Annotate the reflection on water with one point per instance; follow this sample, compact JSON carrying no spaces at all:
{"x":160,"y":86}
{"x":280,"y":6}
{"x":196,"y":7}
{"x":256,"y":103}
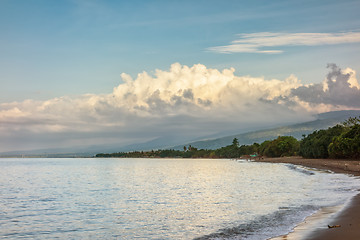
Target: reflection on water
{"x":156,"y":198}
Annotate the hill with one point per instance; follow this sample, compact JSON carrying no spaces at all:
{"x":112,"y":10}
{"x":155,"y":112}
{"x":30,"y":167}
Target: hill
{"x":323,"y":121}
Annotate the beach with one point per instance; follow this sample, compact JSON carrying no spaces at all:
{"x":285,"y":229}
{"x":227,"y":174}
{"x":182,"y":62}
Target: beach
{"x":346,"y":222}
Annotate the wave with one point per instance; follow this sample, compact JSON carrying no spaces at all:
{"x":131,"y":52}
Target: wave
{"x":278,"y":223}
{"x":300,"y":169}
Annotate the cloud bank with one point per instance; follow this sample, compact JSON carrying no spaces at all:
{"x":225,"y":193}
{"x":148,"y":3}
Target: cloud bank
{"x":183,"y":101}
{"x":264,"y":42}
{"x":340,"y":89}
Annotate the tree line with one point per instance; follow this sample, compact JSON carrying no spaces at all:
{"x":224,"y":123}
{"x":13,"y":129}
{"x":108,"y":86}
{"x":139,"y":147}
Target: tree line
{"x":340,"y":141}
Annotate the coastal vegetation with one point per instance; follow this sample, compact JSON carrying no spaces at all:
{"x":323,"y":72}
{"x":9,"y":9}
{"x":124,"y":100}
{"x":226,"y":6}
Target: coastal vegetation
{"x":281,"y":146}
{"x":340,"y":141}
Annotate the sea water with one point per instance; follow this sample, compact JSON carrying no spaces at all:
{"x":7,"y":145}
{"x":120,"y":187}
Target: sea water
{"x":97,"y":198}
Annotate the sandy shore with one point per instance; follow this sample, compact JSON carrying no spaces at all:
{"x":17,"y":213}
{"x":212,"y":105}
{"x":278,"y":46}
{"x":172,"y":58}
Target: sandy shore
{"x":335,"y":165}
{"x":348,"y":219}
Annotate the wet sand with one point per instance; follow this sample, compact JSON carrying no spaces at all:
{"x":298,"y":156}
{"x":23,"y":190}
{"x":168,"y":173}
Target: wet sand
{"x":347,"y":220}
{"x":335,"y":165}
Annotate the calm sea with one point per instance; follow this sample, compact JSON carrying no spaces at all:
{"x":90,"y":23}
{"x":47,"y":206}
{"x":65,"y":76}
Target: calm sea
{"x":160,"y":198}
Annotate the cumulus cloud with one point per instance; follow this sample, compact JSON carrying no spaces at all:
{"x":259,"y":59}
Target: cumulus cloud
{"x":183,"y":101}
{"x":193,"y":89}
{"x":340,"y":89}
{"x":260,"y":42}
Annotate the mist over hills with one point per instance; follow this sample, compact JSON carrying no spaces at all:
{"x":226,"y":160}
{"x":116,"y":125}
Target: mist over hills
{"x":323,"y":121}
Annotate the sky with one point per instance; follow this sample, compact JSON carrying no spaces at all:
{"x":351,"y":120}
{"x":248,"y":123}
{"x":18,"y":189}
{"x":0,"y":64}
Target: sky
{"x":78,"y":72}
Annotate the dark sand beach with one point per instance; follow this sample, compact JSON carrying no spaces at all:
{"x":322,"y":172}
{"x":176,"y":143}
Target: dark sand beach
{"x":347,"y":221}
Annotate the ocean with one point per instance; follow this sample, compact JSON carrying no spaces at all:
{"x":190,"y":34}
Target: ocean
{"x":94,"y":198}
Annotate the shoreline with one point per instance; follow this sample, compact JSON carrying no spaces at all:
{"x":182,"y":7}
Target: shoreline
{"x":347,"y":216}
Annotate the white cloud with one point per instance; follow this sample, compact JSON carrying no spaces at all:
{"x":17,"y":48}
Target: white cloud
{"x":260,"y":42}
{"x":339,"y":90}
{"x":184,"y":102}
{"x":194,"y":90}
{"x":352,"y":78}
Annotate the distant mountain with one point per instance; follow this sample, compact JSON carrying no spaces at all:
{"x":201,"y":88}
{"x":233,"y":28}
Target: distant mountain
{"x":89,"y":151}
{"x":157,"y":143}
{"x":324,"y":121}
{"x":342,"y":115}
{"x":53,"y":152}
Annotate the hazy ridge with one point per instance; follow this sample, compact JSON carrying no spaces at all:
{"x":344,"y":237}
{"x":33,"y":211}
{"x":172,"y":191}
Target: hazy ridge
{"x":323,"y":121}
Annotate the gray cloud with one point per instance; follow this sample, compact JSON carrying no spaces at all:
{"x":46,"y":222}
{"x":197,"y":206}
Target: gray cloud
{"x":205,"y":103}
{"x":188,"y":93}
{"x":336,"y":90}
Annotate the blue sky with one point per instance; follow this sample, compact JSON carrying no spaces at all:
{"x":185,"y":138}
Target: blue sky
{"x":56,"y":48}
{"x":59,"y":53}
